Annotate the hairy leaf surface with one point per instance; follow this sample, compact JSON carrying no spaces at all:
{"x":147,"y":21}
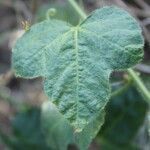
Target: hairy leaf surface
{"x":76,"y":62}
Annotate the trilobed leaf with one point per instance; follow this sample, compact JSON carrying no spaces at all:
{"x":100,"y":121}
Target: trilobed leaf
{"x":76,"y":62}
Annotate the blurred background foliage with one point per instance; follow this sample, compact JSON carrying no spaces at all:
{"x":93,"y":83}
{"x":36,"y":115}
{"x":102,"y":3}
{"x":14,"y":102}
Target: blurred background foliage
{"x":127,"y":121}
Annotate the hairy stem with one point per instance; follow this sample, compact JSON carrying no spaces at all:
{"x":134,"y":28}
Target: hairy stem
{"x":121,"y":90}
{"x":137,"y":80}
{"x":78,"y":9}
{"x":140,"y":85}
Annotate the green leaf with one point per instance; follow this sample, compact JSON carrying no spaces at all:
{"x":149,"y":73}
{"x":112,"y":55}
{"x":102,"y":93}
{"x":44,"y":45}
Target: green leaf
{"x":146,"y":80}
{"x":58,"y":130}
{"x":125,"y":115}
{"x":32,"y":49}
{"x":149,"y":124}
{"x":84,"y":138}
{"x":76,"y":62}
{"x":27,"y":132}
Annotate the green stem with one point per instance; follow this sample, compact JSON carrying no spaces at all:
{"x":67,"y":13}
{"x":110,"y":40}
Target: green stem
{"x":81,"y":5}
{"x":140,"y":85}
{"x":77,"y":8}
{"x":121,"y":90}
{"x":50,"y":13}
{"x":131,"y":72}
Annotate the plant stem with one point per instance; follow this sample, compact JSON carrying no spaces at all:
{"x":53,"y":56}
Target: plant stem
{"x":131,"y":72}
{"x":140,"y":85}
{"x":77,"y":8}
{"x":121,"y":90}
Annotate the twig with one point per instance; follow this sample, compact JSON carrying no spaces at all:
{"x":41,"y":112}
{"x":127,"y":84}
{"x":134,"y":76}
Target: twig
{"x":21,"y":7}
{"x":139,"y":12}
{"x":143,"y":68}
{"x":146,"y":22}
{"x":142,"y":4}
{"x":147,"y":34}
{"x":5,"y":78}
{"x":34,"y":6}
{"x":121,"y":4}
{"x":6,"y":96}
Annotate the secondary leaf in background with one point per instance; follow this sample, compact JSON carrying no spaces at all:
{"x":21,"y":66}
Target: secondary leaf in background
{"x":146,"y":80}
{"x":125,"y":114}
{"x":149,"y":123}
{"x":58,"y":132}
{"x":76,"y":62}
{"x":27,"y":131}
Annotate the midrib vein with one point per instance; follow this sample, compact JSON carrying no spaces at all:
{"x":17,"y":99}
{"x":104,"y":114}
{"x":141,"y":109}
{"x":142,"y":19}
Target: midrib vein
{"x":77,"y":71}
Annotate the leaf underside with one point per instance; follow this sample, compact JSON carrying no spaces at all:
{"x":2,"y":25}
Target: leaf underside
{"x":76,"y":62}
